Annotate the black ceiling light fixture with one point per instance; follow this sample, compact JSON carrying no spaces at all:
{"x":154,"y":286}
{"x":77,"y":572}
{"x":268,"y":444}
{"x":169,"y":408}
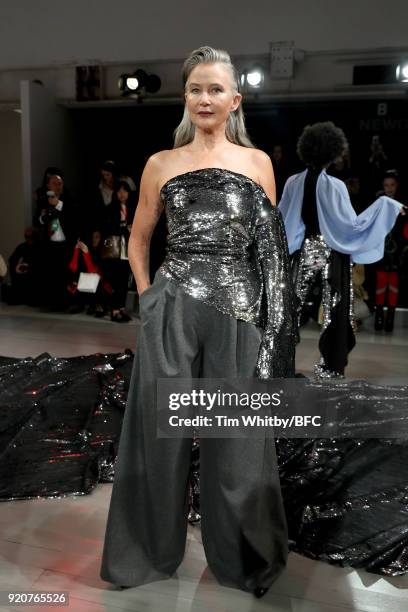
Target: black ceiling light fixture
{"x":381,"y":74}
{"x":138,"y":84}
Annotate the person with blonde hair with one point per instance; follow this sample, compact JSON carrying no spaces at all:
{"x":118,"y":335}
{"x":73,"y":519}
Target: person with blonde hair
{"x":220,"y":306}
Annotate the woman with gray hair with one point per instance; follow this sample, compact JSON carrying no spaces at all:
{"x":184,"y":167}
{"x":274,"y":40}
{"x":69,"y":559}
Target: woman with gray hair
{"x":221,"y":305}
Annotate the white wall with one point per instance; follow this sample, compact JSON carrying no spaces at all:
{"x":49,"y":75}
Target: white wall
{"x":47,"y":138}
{"x":11,"y":183}
{"x":51,"y":32}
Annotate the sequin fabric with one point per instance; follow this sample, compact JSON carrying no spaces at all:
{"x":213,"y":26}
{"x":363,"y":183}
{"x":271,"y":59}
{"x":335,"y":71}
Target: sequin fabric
{"x":59,"y":423}
{"x":315,"y":260}
{"x":227,"y":246}
{"x":346,"y":499}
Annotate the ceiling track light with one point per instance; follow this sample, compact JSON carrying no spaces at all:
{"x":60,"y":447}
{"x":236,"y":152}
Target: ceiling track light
{"x":381,"y":74}
{"x":138,"y":83}
{"x":402,"y":72}
{"x":253,"y":78}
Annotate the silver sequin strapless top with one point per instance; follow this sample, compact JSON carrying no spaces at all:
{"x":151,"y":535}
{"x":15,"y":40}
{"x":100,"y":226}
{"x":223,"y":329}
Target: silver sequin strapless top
{"x":227,"y":246}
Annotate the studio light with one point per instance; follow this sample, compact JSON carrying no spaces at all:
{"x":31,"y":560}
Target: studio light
{"x":138,"y":83}
{"x":132,"y":83}
{"x":253,"y":78}
{"x":402,"y":72}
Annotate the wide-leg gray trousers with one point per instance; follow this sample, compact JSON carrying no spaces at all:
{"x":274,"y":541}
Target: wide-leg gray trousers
{"x":243,"y":522}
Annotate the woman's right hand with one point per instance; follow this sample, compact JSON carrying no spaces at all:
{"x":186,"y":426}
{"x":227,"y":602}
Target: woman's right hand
{"x":145,"y":288}
{"x":148,"y":211}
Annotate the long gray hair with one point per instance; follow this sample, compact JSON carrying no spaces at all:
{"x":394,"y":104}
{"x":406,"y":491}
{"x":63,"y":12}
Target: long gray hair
{"x":235,"y":130}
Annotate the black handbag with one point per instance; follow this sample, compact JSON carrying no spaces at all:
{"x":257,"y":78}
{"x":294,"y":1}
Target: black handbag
{"x":111,"y":247}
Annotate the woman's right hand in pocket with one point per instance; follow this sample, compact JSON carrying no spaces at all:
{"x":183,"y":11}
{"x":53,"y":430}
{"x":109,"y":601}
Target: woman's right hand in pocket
{"x":145,"y":288}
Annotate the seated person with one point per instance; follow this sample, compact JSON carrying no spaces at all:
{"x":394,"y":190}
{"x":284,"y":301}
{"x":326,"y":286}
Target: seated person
{"x":86,"y":259}
{"x":25,"y":270}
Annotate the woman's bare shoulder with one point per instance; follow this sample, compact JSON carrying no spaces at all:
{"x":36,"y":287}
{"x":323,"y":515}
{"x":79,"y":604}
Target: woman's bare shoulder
{"x":260,"y":156}
{"x":154,"y":168}
{"x":262,"y":162}
{"x":162,"y":162}
{"x":251,"y":157}
{"x":264,"y":172}
{"x":167,"y":163}
{"x":158,"y":159}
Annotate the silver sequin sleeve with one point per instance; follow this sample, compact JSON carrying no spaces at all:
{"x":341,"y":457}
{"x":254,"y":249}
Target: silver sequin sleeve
{"x":276,"y":356}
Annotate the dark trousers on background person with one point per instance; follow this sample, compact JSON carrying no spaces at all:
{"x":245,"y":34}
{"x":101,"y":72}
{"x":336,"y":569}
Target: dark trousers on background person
{"x":117,"y":272}
{"x":243,"y":522}
{"x":54,"y":274}
{"x":24,"y":288}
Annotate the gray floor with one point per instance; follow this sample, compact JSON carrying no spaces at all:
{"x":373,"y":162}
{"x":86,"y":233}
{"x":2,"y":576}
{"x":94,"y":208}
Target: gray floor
{"x":54,"y":545}
{"x":378,"y":357}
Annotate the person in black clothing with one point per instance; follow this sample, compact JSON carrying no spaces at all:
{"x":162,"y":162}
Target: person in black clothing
{"x":119,"y":219}
{"x":101,"y":197}
{"x":41,"y":191}
{"x":24,"y":265}
{"x":280,"y":168}
{"x":58,"y":218}
{"x":388,"y":268}
{"x":340,"y":168}
{"x":378,"y":163}
{"x":357,"y":199}
{"x":108,"y":184}
{"x":104,"y":195}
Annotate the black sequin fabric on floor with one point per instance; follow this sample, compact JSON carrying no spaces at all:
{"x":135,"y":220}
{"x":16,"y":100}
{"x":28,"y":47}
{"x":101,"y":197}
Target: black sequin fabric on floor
{"x":60,"y":421}
{"x":346,"y":499}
